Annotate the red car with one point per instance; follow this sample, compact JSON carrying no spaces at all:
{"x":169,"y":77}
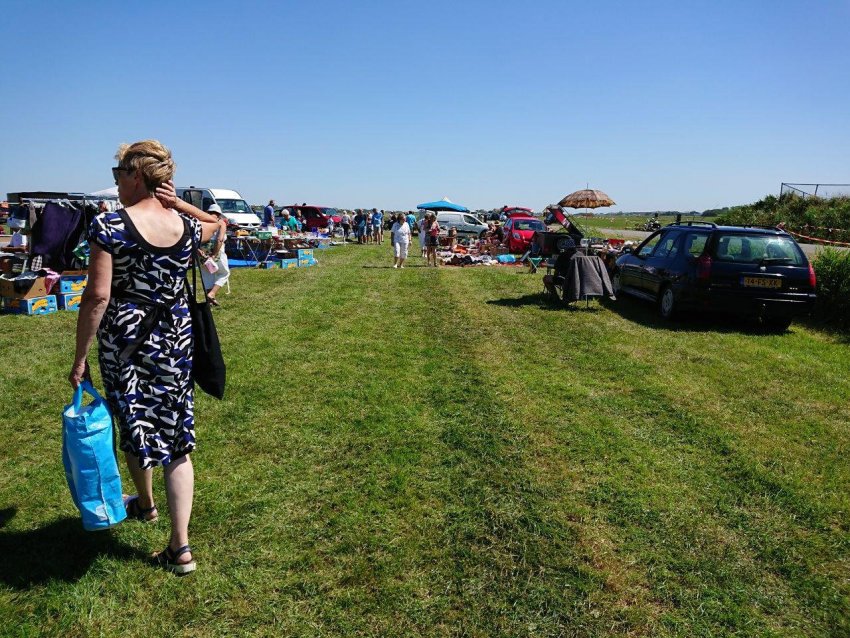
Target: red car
{"x":315,"y":217}
{"x":519,"y":231}
{"x":517,"y":211}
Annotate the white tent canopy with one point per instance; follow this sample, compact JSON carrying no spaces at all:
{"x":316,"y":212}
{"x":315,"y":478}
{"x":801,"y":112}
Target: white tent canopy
{"x":106,"y":193}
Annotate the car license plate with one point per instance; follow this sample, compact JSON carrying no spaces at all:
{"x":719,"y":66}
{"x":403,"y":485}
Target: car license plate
{"x":762,"y":282}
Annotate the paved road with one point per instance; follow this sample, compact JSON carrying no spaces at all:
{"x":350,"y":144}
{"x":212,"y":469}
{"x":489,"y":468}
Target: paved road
{"x":809,"y":249}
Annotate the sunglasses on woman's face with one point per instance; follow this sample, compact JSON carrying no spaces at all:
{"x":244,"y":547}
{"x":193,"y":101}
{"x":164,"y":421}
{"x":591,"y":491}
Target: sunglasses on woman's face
{"x":117,"y":169}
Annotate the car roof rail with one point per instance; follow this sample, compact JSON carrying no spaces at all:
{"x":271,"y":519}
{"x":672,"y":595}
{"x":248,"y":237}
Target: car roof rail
{"x":763,"y":226}
{"x":694,"y":223}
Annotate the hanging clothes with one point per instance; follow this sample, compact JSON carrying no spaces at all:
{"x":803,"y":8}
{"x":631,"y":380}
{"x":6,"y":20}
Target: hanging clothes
{"x":55,"y":234}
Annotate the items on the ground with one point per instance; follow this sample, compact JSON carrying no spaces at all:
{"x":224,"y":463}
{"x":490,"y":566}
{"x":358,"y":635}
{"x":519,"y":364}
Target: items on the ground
{"x":41,"y":292}
{"x":275,"y":250}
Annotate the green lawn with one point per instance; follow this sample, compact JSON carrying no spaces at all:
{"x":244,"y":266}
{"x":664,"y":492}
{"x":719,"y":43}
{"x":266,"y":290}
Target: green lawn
{"x":625,"y":222}
{"x":438,"y":452}
{"x":616,"y":222}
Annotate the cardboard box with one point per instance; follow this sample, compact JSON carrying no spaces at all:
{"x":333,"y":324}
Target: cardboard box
{"x":70,"y":302}
{"x":288,"y":263}
{"x":72,"y":281}
{"x":307,"y":261}
{"x":303,"y":253}
{"x":34,"y":306}
{"x":38,"y":289}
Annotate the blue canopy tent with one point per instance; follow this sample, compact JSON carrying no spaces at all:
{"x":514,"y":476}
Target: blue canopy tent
{"x":443,"y":205}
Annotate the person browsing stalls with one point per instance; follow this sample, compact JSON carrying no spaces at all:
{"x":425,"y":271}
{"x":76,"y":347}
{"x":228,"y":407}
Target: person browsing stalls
{"x":136,"y":305}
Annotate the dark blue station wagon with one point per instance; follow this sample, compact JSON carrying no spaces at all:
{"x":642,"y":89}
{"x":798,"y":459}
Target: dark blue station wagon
{"x":746,"y":271}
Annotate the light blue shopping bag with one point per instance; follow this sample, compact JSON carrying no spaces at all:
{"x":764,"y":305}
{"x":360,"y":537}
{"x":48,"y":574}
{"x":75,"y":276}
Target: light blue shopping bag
{"x":89,"y":460}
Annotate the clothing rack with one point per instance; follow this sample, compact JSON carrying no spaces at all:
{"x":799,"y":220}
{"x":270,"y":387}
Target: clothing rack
{"x":54,"y":200}
{"x":77,"y":202}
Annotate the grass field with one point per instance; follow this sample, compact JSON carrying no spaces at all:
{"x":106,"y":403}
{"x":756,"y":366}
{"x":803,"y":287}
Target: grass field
{"x":438,"y":452}
{"x":616,"y":222}
{"x":624,"y":222}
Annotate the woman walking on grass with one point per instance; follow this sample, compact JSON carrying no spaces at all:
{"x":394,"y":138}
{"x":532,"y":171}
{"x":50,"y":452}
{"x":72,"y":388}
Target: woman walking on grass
{"x":345,"y":222}
{"x":423,"y":236}
{"x":401,"y":240}
{"x":433,"y":230}
{"x":136,"y":304}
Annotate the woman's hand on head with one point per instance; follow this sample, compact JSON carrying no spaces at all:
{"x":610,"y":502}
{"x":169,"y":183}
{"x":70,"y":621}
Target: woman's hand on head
{"x":166,"y":194}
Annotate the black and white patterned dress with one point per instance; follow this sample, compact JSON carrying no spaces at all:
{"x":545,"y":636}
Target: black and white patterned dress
{"x":145,"y":340}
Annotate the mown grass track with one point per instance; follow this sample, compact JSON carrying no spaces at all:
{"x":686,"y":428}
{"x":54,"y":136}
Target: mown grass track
{"x":439,"y":452}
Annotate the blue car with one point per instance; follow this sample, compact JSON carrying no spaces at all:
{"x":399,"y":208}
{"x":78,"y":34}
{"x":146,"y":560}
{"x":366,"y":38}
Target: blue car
{"x":747,"y":271}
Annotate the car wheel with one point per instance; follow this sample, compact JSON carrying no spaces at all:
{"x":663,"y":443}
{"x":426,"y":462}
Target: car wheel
{"x":615,"y":282}
{"x":776,"y":324}
{"x":668,"y":305}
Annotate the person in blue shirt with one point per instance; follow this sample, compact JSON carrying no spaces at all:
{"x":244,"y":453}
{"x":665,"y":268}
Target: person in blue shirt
{"x":360,"y":226}
{"x":268,"y":215}
{"x":411,"y":221}
{"x":377,"y":226}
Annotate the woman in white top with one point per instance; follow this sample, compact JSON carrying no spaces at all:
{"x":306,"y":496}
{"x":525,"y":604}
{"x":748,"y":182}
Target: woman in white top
{"x":401,"y":240}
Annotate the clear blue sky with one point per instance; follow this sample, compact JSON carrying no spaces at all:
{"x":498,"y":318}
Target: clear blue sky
{"x":663,"y":105}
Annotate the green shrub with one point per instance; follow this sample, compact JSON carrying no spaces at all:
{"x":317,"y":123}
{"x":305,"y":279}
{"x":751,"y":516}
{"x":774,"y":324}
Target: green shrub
{"x":832,"y":268}
{"x":812,"y":216}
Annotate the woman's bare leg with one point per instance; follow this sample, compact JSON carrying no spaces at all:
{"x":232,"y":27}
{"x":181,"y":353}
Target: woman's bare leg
{"x":179,"y":488}
{"x":142,"y":479}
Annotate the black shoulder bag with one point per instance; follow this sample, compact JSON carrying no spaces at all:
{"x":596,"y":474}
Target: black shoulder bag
{"x":207,"y":362}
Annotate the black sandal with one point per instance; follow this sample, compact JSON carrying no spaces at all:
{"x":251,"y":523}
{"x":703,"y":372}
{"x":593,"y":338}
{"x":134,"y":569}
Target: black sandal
{"x":136,"y":512}
{"x":167,"y":560}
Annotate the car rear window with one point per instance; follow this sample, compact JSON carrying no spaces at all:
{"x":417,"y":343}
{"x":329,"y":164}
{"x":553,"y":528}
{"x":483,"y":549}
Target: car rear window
{"x":753,"y":249}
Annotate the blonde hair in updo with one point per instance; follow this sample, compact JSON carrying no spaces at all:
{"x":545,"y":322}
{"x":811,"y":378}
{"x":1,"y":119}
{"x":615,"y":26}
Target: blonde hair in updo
{"x":151,"y":158}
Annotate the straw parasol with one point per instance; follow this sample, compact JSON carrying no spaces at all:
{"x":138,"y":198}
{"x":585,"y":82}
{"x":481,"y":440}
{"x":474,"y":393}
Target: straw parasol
{"x":586,"y":198}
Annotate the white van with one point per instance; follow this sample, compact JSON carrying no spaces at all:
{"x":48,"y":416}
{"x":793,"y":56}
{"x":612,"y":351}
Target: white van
{"x":467,"y":225}
{"x":234,"y":207}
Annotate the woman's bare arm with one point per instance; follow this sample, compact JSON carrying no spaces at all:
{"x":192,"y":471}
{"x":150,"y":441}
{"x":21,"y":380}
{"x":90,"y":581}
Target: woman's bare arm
{"x":167,"y":196}
{"x":92,"y":306}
